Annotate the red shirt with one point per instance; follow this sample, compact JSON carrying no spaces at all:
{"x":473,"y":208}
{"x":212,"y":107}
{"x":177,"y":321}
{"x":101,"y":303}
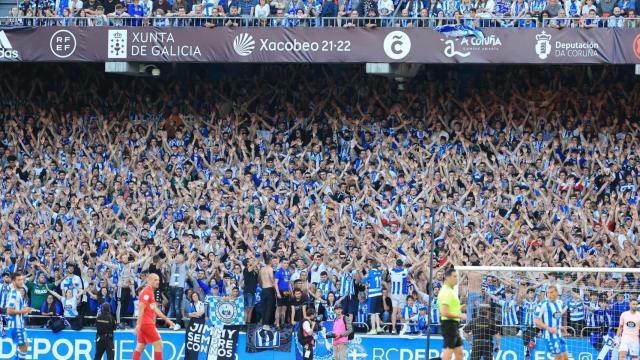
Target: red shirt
{"x":147,"y":297}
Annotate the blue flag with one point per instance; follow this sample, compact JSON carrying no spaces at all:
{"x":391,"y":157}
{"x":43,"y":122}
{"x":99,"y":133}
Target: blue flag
{"x":459,"y":30}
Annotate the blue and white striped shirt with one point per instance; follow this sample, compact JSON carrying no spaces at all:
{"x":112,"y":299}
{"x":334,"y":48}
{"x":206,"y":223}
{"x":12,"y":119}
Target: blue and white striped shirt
{"x":363,"y":313}
{"x":576,"y":310}
{"x":399,"y":281}
{"x":5,"y":289}
{"x":509,"y":312}
{"x":15,"y":301}
{"x":550,"y":313}
{"x":325,"y":288}
{"x":347,"y":286}
{"x":528,"y":312}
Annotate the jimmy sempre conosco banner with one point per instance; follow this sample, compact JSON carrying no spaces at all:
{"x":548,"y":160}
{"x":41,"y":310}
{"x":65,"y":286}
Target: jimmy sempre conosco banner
{"x":320,"y":45}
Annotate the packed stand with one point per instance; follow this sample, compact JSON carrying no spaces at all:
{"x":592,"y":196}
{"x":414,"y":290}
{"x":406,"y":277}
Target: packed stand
{"x":326,"y":185}
{"x":559,"y":14}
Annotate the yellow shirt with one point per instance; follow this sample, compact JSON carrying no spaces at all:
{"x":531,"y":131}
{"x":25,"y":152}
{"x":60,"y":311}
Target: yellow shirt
{"x":447,"y":296}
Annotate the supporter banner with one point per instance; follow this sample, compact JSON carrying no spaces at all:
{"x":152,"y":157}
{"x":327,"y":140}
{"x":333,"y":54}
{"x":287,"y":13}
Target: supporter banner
{"x":260,"y":339}
{"x":222,"y":344}
{"x":319,"y":45}
{"x":80,"y":345}
{"x":226,"y":312}
{"x":195,"y":339}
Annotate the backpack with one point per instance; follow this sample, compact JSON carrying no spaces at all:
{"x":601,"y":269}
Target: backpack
{"x":352,"y":335}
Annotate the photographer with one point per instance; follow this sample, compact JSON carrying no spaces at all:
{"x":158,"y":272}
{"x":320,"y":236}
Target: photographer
{"x":342,"y":330}
{"x":483,"y":328}
{"x":105,"y":326}
{"x":305,"y":333}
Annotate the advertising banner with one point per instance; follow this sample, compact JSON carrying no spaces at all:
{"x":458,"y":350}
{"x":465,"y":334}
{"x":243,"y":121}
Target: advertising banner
{"x":80,"y":345}
{"x":319,"y":45}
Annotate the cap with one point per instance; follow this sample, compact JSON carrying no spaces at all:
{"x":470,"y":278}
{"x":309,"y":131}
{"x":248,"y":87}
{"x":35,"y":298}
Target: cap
{"x":337,"y":306}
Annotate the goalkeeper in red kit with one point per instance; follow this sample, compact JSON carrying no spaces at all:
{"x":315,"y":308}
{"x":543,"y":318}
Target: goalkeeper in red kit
{"x":146,"y":326}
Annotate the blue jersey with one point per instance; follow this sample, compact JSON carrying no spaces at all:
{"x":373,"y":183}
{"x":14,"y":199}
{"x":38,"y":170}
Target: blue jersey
{"x":592,"y":314}
{"x":399,"y":281}
{"x":347,"y":286}
{"x":509,"y":312}
{"x":374,"y":279}
{"x":617,"y":309}
{"x":576,"y":310}
{"x":15,"y":301}
{"x":550,"y":313}
{"x":283,"y":276}
{"x":528,"y":312}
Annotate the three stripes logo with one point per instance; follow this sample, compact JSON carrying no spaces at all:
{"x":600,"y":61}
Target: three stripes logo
{"x":6,"y":49}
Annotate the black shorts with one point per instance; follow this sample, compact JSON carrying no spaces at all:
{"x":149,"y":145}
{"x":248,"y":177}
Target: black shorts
{"x":284,"y":300}
{"x":375,"y":305}
{"x":450,"y":334}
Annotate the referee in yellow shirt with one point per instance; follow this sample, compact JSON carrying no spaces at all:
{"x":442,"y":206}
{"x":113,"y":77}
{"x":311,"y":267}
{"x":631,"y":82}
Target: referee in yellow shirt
{"x":450,"y":316}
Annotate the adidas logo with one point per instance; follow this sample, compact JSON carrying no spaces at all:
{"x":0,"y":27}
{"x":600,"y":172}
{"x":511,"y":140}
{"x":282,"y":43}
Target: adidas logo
{"x":6,"y":49}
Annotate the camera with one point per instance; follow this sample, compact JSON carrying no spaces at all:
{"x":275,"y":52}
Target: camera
{"x":331,"y":335}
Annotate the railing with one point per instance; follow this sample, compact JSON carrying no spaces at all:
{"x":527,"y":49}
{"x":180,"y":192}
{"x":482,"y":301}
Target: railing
{"x":305,"y":21}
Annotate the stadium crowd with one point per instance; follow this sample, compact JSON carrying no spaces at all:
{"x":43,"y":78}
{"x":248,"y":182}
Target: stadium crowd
{"x":345,"y":13}
{"x":340,"y":182}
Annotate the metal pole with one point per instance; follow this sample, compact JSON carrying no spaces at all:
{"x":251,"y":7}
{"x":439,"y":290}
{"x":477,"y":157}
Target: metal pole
{"x":430,"y":284}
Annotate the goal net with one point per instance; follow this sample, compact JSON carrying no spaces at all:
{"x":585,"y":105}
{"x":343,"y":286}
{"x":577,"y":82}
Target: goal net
{"x":504,"y":301}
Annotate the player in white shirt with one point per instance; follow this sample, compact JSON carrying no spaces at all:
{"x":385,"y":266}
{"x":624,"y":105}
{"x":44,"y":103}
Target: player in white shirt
{"x":628,"y":332}
{"x":549,"y":318}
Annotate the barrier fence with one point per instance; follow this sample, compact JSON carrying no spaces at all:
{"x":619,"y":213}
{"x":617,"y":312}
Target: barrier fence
{"x":307,"y":21}
{"x":79,"y":345}
{"x":318,"y":45}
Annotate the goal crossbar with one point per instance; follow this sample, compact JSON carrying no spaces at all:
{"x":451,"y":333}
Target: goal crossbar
{"x":545,"y":269}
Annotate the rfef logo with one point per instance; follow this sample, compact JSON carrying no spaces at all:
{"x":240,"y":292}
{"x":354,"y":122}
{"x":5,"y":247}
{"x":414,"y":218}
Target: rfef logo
{"x":397,"y":45}
{"x":6,"y":49}
{"x":636,"y":46}
{"x":244,"y":44}
{"x":62,"y":43}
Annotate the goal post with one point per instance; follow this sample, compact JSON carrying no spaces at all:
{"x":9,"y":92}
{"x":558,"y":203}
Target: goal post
{"x":504,"y":300}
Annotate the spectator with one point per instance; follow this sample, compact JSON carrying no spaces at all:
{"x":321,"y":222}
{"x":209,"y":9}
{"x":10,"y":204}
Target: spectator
{"x":605,"y":7}
{"x":573,"y":8}
{"x":616,"y":20}
{"x":553,"y":7}
{"x":50,"y":309}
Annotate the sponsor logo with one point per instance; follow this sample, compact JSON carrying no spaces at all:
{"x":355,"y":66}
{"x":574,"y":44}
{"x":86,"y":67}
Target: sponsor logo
{"x":631,"y":324}
{"x":543,"y":46}
{"x":636,"y":46}
{"x":557,"y":315}
{"x":397,"y":45}
{"x":117,"y":44}
{"x":6,"y":49}
{"x":463,"y":47}
{"x":577,"y":49}
{"x":244,"y":44}
{"x":62,"y":43}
